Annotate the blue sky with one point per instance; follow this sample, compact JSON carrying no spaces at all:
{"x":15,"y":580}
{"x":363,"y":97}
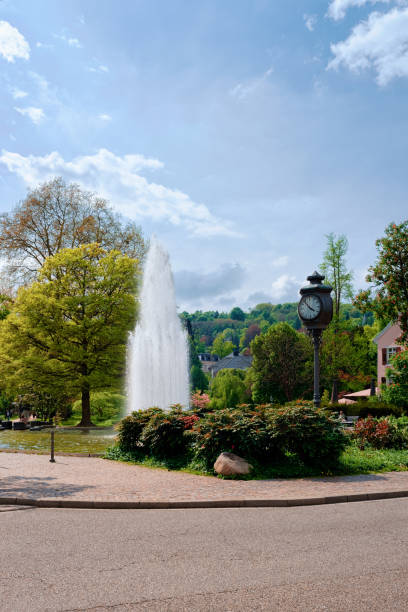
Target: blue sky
{"x":240,"y":132}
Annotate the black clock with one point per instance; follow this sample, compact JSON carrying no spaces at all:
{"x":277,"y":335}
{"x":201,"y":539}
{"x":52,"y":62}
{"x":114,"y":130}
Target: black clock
{"x":315,"y":307}
{"x":310,"y":307}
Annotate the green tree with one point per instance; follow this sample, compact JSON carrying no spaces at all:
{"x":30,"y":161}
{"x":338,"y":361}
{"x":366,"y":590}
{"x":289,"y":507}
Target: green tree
{"x":388,"y":295}
{"x":54,"y":216}
{"x":222,"y":345}
{"x":237,"y":314}
{"x":282,"y":365}
{"x":335,"y":270}
{"x":397,"y":391}
{"x":347,"y":356}
{"x":228,"y":389}
{"x":67,"y":332}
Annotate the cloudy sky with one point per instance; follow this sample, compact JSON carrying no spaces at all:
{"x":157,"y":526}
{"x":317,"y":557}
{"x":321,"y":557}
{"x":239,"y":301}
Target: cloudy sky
{"x":240,"y":132}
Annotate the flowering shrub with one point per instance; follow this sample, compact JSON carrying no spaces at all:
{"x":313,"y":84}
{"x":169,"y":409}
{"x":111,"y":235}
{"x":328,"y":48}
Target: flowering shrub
{"x":200,"y":401}
{"x":163,"y":435}
{"x":131,"y":427}
{"x":381,"y":433}
{"x":312,"y":434}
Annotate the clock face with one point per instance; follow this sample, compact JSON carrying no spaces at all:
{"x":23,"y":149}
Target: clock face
{"x":309,"y":307}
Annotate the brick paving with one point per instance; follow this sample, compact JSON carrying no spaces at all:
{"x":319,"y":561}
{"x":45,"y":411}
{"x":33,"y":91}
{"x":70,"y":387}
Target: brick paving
{"x":97,"y":480}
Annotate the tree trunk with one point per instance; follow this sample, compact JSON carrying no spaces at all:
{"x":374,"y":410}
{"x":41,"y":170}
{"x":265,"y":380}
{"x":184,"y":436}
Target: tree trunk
{"x":86,"y":409}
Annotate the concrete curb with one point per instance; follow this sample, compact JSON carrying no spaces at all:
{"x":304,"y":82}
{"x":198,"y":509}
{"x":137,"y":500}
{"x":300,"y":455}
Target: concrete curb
{"x":168,"y":505}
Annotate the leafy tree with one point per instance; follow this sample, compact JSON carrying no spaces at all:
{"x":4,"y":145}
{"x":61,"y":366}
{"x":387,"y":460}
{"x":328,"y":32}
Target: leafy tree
{"x":228,"y":389}
{"x":388,"y":296}
{"x":221,"y":345}
{"x":335,"y":269}
{"x":55,"y":216}
{"x":237,"y":314}
{"x":67,"y":332}
{"x":249,"y":334}
{"x":281,"y":366}
{"x":397,"y":391}
{"x":347,"y":355}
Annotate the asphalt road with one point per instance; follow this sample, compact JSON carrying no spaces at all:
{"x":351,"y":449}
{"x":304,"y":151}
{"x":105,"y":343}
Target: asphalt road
{"x":337,"y":557}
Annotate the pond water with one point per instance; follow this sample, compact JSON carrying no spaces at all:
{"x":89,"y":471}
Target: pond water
{"x":66,"y":440}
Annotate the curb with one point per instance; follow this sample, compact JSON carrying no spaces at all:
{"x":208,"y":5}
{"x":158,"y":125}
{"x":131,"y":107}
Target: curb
{"x":169,"y":505}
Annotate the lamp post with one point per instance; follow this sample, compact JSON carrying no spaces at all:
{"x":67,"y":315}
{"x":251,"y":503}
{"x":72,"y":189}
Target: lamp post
{"x":315,"y":310}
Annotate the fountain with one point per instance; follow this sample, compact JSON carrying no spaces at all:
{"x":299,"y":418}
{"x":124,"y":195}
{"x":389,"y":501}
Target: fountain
{"x":158,"y":349}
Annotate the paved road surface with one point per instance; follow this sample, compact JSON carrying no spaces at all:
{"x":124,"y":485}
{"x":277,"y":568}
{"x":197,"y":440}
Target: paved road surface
{"x":337,"y":557}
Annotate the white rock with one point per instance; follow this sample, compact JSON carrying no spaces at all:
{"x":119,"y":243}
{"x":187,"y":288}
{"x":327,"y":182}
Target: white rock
{"x":229,"y":464}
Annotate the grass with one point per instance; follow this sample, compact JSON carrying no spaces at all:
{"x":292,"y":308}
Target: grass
{"x":106,"y":410}
{"x":352,"y":461}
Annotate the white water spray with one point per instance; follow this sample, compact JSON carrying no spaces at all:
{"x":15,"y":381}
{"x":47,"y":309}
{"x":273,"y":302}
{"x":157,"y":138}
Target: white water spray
{"x":158,"y":349}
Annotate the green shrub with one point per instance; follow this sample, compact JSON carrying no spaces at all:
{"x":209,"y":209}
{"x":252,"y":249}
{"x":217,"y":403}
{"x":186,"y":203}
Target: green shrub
{"x":312,"y":434}
{"x":163,"y":436}
{"x":131,"y":427}
{"x":242,"y":430}
{"x":375,"y":408}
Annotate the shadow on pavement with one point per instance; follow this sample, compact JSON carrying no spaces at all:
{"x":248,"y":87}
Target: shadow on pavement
{"x":37,"y":487}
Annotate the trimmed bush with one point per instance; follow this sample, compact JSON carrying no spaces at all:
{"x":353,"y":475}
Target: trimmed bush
{"x":163,"y":436}
{"x":243,"y":431}
{"x":312,"y":434}
{"x":375,"y":408}
{"x":131,"y":427}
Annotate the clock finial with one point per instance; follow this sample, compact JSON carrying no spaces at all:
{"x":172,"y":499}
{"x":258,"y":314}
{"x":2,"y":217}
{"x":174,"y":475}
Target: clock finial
{"x":316,"y":278}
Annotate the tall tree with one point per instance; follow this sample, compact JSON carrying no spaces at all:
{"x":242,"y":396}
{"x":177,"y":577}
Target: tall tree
{"x":55,"y":216}
{"x":282,"y":365}
{"x":67,"y":332}
{"x":388,"y":295}
{"x":334,"y":268}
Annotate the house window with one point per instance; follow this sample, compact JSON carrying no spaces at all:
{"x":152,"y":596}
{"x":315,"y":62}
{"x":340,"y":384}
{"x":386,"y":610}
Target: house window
{"x":388,"y":354}
{"x":391,"y":352}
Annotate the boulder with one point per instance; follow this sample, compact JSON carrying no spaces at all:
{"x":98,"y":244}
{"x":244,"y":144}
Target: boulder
{"x":229,"y":464}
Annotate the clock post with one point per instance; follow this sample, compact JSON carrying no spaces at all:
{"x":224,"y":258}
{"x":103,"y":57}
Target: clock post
{"x":315,"y":310}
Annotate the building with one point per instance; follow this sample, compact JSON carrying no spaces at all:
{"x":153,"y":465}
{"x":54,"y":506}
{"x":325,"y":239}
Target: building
{"x":207,"y":361}
{"x":387,"y":347}
{"x":233,"y":360}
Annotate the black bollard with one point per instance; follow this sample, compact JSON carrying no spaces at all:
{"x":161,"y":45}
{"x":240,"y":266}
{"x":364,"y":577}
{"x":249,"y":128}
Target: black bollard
{"x":52,"y":460}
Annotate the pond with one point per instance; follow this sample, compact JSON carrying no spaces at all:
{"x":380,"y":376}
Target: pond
{"x":66,"y":440}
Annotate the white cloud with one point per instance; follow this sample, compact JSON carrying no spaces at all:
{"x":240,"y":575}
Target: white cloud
{"x":70,"y":40}
{"x":18,"y":93}
{"x":12,"y":43}
{"x":105,"y":117}
{"x":41,"y":45}
{"x":310,"y":21}
{"x":101,"y":68}
{"x":380,"y":43}
{"x":35,"y":114}
{"x":284,"y":285}
{"x":119,"y":180}
{"x":338,"y":8}
{"x":192,"y":285}
{"x":243,"y":90}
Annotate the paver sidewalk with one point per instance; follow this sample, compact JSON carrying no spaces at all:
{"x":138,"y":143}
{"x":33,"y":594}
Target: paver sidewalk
{"x":77,"y":480}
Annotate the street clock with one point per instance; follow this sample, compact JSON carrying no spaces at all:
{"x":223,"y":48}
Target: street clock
{"x":315,"y":310}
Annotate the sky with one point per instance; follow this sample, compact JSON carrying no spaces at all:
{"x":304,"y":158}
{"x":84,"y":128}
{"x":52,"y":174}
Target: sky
{"x":239,"y":132}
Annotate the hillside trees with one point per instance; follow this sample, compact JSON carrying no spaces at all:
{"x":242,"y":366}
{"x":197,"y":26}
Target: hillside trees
{"x":67,"y":332}
{"x":55,"y":216}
